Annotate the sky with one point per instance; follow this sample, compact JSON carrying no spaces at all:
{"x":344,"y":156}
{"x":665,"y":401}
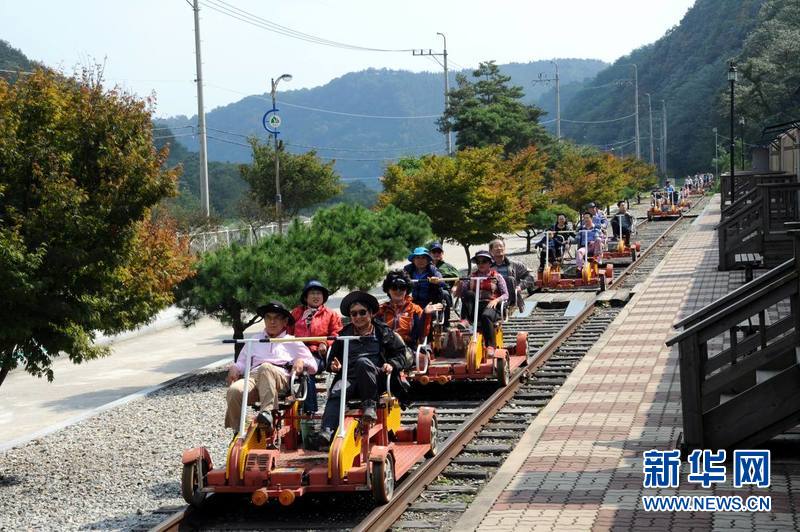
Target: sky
{"x":148,"y":46}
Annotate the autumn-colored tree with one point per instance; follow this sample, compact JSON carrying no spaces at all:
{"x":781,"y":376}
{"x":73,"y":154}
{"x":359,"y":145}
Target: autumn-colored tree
{"x":305,"y":179}
{"x":583,"y":175}
{"x":640,"y":177}
{"x":78,"y":252}
{"x":469,"y":198}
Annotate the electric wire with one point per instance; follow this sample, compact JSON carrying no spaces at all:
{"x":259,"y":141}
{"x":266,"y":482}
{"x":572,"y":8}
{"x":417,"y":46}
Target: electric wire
{"x":250,"y":18}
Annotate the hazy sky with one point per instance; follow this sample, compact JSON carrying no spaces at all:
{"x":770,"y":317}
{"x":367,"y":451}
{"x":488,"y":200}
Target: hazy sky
{"x":148,"y":45}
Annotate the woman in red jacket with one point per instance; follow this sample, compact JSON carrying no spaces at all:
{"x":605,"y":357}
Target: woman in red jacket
{"x":313,"y":318}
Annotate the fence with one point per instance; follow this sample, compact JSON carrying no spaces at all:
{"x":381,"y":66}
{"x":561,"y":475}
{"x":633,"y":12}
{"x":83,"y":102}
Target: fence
{"x":211,"y":240}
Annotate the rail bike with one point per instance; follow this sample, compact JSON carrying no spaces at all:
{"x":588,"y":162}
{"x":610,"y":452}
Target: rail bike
{"x":667,"y":206}
{"x":593,"y":275}
{"x":617,"y":251}
{"x":272,"y":463}
{"x":459,"y":352}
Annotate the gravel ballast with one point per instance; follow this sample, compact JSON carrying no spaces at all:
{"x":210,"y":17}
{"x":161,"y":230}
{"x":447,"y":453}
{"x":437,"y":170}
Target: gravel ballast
{"x":112,"y":471}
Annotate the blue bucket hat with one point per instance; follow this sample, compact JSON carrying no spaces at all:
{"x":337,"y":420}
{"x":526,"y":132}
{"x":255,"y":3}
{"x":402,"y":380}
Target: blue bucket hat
{"x":314,"y":285}
{"x":420,"y":252}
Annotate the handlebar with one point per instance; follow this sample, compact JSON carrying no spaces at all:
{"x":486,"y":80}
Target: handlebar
{"x":293,"y":339}
{"x":427,"y":360}
{"x":302,"y":385}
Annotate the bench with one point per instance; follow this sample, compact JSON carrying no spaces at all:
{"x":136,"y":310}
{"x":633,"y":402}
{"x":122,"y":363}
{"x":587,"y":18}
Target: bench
{"x":748,"y":261}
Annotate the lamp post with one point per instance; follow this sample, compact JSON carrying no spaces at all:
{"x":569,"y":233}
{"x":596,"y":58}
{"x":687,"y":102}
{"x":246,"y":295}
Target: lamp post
{"x":278,"y":202}
{"x":732,"y":77}
{"x":716,"y":153}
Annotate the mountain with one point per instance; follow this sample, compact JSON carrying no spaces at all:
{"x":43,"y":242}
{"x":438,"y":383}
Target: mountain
{"x":368,"y":125}
{"x":687,"y":68}
{"x":12,"y":60}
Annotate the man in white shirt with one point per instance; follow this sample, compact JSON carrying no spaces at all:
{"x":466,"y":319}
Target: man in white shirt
{"x":269,"y":368}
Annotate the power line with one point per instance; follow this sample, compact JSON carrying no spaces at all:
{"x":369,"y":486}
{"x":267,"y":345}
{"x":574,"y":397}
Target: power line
{"x":334,"y":148}
{"x":329,"y":111}
{"x":174,"y":136}
{"x":599,"y":121}
{"x":244,"y":16}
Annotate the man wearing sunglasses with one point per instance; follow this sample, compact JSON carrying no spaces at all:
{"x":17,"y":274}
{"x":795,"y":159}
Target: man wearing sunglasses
{"x":381,"y":351}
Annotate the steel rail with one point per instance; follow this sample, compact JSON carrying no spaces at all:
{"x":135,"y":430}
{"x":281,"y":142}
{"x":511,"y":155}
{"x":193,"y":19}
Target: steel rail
{"x":382,"y":517}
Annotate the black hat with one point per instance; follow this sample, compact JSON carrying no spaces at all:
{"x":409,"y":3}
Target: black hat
{"x":591,"y":205}
{"x":357,"y":296}
{"x":482,"y":254}
{"x":436,"y":245}
{"x":314,"y":285}
{"x":275,"y":307}
{"x":396,"y":279}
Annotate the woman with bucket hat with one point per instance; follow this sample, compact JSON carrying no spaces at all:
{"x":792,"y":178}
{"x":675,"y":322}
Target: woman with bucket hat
{"x":491,"y":292}
{"x":313,"y":318}
{"x":381,"y":351}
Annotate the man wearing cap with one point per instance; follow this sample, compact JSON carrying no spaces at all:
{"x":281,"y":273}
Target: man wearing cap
{"x":446,"y":269}
{"x":379,"y":352}
{"x":269,"y":367}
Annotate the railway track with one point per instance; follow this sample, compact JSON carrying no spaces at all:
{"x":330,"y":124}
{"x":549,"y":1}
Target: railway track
{"x":476,"y":432}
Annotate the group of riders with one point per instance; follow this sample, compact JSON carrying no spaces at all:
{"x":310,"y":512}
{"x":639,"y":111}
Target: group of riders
{"x":590,"y":235}
{"x":419,"y":294}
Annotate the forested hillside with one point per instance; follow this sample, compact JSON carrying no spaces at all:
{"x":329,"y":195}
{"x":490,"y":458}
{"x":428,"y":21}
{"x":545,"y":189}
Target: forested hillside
{"x":363,"y":143}
{"x":13,"y":60}
{"x":687,"y":67}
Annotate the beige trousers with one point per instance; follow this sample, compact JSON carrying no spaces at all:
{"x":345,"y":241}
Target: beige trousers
{"x":265,"y":384}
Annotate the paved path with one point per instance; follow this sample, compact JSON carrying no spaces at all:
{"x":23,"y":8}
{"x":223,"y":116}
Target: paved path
{"x":34,"y":406}
{"x":579,"y":465}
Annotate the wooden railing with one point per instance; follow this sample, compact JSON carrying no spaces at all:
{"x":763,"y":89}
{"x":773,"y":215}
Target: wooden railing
{"x":746,"y":181}
{"x":739,"y":371}
{"x":757,"y":226}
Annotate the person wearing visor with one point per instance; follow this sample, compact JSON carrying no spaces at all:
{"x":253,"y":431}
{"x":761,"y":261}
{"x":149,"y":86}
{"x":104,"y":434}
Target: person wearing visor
{"x":312,"y":318}
{"x":426,"y":288}
{"x":492,"y":291}
{"x":270,"y":367}
{"x":400,"y":313}
{"x":381,"y":352}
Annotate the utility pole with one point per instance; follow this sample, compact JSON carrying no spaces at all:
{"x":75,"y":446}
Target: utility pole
{"x":201,"y":115}
{"x":636,"y":107}
{"x":543,"y":79}
{"x":446,"y":94}
{"x":664,"y":135}
{"x":448,"y":136}
{"x":716,"y":154}
{"x":278,"y":201}
{"x":650,"y":112}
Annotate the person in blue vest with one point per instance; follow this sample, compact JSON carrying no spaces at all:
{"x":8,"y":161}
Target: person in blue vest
{"x":427,"y":288}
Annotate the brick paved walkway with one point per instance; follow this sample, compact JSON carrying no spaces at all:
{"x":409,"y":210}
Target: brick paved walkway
{"x":579,"y":465}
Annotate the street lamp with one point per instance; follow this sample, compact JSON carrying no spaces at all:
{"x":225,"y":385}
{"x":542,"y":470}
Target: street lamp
{"x":278,"y":202}
{"x":732,"y":77}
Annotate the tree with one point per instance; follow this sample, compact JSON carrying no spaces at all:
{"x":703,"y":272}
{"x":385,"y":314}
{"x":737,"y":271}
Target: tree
{"x":78,"y":251}
{"x":487,"y":111}
{"x":469,"y":198}
{"x":344,"y":246}
{"x":769,"y":88}
{"x":305,"y":180}
{"x":583,"y":175}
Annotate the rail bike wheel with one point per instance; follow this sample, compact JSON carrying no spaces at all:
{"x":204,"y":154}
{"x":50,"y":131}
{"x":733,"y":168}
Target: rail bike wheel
{"x":383,"y":480}
{"x":190,"y":483}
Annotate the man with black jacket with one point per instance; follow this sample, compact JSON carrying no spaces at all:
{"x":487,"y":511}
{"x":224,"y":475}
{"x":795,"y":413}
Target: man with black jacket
{"x":380,"y":352}
{"x":622,"y":223}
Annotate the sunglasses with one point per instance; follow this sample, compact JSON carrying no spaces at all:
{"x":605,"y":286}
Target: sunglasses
{"x":483,"y":261}
{"x":355,"y":313}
